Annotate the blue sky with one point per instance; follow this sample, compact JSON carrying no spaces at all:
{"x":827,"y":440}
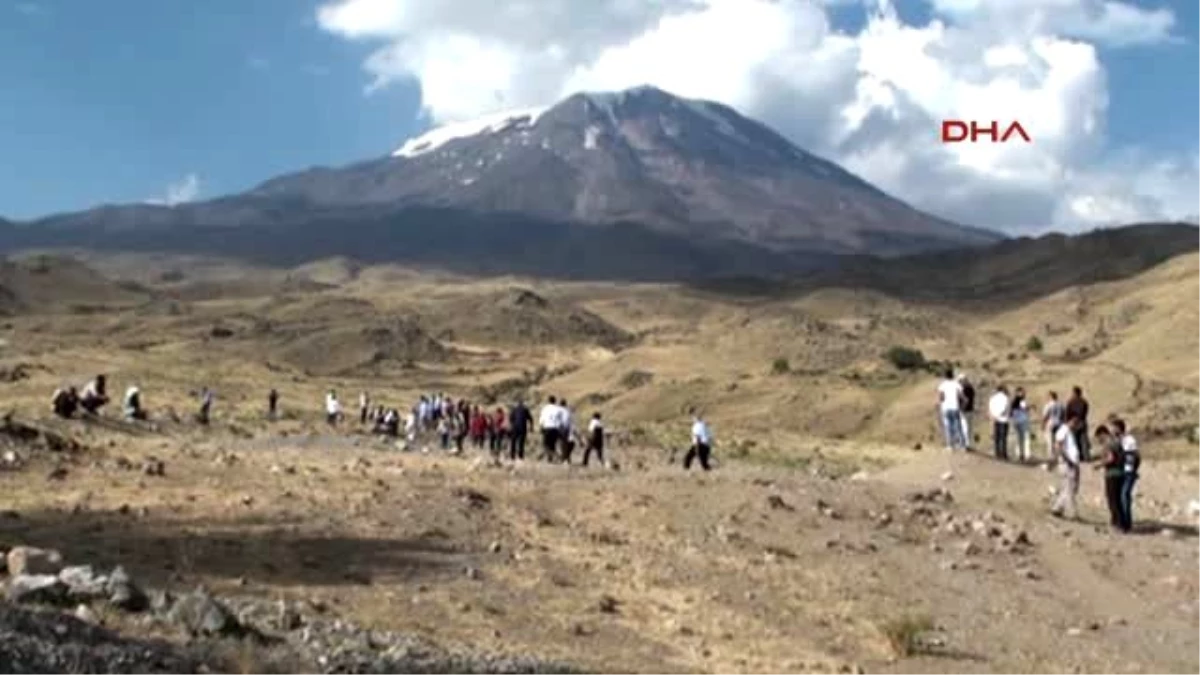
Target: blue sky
{"x":114,"y":101}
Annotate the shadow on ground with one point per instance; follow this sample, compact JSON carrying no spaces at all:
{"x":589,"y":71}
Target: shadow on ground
{"x":279,"y":553}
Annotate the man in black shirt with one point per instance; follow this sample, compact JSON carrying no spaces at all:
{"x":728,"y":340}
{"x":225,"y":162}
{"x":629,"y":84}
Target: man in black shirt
{"x":1077,"y":407}
{"x":519,"y":419}
{"x":967,"y":409}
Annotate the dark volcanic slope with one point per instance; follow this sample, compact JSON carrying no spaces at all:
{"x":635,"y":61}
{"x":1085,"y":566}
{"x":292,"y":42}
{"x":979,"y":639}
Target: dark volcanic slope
{"x":634,"y":185}
{"x":1009,"y":272}
{"x":678,"y":166}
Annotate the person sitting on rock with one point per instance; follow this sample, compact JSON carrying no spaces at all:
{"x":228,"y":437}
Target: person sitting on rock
{"x":133,"y":404}
{"x":65,"y":401}
{"x":94,"y":395}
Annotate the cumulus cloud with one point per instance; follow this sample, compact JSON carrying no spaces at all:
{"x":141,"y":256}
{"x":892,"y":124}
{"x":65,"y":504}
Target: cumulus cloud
{"x":184,"y":190}
{"x":871,"y":100}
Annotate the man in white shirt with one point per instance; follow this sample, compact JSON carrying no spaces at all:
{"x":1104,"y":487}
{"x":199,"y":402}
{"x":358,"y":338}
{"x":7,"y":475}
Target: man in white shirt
{"x":565,"y":437}
{"x":701,"y":444}
{"x":998,"y":409}
{"x":333,"y":408}
{"x":1068,"y":453}
{"x":550,"y":420}
{"x":950,"y":396}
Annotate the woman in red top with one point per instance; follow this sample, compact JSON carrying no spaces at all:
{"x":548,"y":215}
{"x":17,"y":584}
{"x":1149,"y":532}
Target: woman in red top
{"x":478,"y":427}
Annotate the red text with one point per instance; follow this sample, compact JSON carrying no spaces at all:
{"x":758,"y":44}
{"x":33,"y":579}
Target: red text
{"x":958,"y":131}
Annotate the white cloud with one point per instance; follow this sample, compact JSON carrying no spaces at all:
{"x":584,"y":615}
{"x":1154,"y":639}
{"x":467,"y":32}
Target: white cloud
{"x":184,"y":190}
{"x":871,"y":100}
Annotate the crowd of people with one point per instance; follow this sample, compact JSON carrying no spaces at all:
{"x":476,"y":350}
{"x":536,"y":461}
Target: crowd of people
{"x":1068,"y":443}
{"x":503,"y":431}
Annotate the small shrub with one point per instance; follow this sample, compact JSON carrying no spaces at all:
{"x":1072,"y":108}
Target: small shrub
{"x":781,"y":366}
{"x":904,"y":634}
{"x":1034,"y":344}
{"x":905,"y":358}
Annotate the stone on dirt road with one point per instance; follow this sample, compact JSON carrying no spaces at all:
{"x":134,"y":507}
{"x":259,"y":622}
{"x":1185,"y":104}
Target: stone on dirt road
{"x":30,"y":560}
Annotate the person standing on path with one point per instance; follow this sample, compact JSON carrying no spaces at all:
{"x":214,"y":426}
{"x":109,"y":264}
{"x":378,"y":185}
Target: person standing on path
{"x":272,"y":404}
{"x":950,"y":399}
{"x":1052,"y":418}
{"x":1132,"y":457}
{"x":333,"y":408}
{"x":519,"y":419}
{"x":998,"y":409}
{"x":701,"y":444}
{"x":968,"y":411}
{"x":1020,"y":422}
{"x":364,"y":407}
{"x":1068,"y":454}
{"x":1078,"y":406}
{"x":1113,"y":464}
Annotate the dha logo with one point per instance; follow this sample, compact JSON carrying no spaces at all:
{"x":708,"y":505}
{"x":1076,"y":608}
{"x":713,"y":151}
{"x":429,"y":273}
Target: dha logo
{"x":960,"y":131}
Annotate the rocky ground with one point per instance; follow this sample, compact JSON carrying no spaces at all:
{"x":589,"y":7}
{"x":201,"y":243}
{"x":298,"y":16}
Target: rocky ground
{"x":267,"y":554}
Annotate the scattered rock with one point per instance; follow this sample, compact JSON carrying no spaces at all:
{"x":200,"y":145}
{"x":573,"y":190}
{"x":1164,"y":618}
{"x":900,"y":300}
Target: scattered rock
{"x":608,"y":604}
{"x":154,"y":466}
{"x":776,"y":502}
{"x":472,"y":572}
{"x":860,"y":476}
{"x":1074,"y":632}
{"x":58,"y":473}
{"x":969,"y":548}
{"x":39,"y":589}
{"x":87,"y":615}
{"x":124,"y":594}
{"x":473,"y":498}
{"x":198,"y":613}
{"x":949,"y":475}
{"x":27,"y":560}
{"x":83,"y":584}
{"x":1028,"y":573}
{"x":495,"y":547}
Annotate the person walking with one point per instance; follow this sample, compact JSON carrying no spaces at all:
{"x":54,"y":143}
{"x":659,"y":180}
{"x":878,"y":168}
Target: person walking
{"x":272,"y":404}
{"x":950,"y":400}
{"x":701,"y":444}
{"x":549,"y":419}
{"x":1067,"y":447}
{"x":519,"y":419}
{"x":1020,"y":422}
{"x":998,"y":409}
{"x":1078,"y":406}
{"x":595,"y":440}
{"x":1053,"y":414}
{"x":968,"y":411}
{"x":364,"y":407}
{"x":500,"y":432}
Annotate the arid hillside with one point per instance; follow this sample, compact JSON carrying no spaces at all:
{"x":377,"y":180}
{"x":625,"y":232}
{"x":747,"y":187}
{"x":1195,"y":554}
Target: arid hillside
{"x":835,"y":534}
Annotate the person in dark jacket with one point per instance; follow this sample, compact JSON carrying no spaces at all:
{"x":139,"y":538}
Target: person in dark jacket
{"x":1113,"y":464}
{"x":967,"y":410}
{"x":1077,"y":407}
{"x":519,"y":419}
{"x":595,"y":440}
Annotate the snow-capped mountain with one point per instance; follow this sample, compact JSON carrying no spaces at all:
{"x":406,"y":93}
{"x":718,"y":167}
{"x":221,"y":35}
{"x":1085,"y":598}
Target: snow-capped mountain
{"x":638,"y":183}
{"x":678,"y":166}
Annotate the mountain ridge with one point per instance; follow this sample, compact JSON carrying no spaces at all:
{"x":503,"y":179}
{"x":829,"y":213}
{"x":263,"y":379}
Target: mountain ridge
{"x":688,"y":179}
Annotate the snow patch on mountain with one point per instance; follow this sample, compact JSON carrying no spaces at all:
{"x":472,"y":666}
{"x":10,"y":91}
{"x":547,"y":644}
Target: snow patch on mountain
{"x":489,"y":124}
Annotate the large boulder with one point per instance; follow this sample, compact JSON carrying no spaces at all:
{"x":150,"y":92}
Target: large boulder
{"x":28,"y":560}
